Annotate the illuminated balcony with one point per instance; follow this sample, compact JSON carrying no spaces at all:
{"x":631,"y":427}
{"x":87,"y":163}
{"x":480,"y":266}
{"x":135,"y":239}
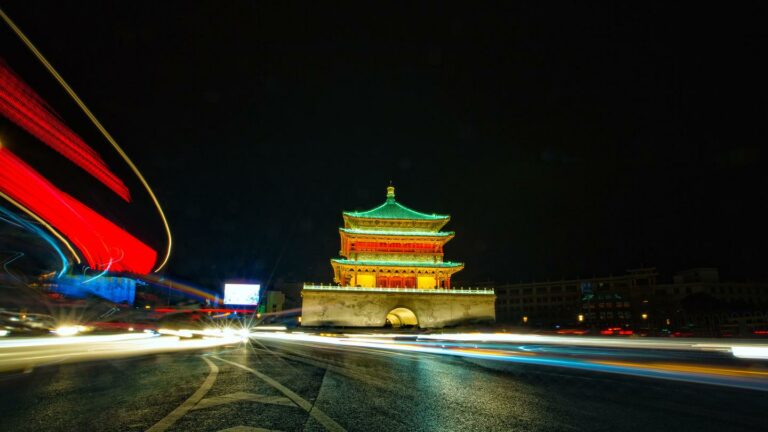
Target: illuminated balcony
{"x":465,"y":290}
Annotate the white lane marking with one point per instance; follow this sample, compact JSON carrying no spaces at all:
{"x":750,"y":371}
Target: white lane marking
{"x":242,"y":396}
{"x":331,"y":365}
{"x":188,"y":404}
{"x":315,"y":412}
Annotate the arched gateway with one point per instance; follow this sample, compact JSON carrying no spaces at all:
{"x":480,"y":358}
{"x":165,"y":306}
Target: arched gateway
{"x":402,"y":317}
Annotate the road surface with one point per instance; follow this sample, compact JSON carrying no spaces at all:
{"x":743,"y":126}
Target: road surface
{"x":289,"y":386}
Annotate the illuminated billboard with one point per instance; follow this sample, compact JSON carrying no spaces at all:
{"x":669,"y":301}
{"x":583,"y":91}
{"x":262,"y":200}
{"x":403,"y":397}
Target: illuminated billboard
{"x":241,"y":294}
{"x":113,"y":288}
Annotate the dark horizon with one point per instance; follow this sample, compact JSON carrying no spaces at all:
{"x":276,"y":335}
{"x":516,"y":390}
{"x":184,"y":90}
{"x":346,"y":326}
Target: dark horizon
{"x":578,"y":143}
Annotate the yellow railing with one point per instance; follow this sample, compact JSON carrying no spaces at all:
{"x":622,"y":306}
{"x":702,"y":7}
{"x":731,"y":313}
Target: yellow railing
{"x":462,"y":290}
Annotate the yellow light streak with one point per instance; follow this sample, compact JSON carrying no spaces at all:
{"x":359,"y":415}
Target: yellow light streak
{"x":681,"y":367}
{"x":99,"y":126}
{"x":492,"y":352}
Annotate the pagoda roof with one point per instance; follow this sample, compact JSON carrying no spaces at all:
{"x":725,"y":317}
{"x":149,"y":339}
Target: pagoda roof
{"x":399,"y":233}
{"x":445,"y":264}
{"x":392,"y":209}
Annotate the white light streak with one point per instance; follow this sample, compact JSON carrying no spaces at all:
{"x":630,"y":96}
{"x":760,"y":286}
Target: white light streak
{"x":27,"y":353}
{"x":750,"y":352}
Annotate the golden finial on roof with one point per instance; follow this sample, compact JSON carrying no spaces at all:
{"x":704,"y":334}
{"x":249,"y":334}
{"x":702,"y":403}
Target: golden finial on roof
{"x":390,"y":191}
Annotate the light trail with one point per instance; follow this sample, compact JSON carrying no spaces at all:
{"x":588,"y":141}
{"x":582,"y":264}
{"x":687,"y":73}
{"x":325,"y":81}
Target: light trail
{"x":49,"y":341}
{"x":100,"y":274}
{"x":506,"y":348}
{"x":705,"y":345}
{"x":19,"y":354}
{"x":98,"y":238}
{"x":101,"y":128}
{"x":182,"y":287}
{"x":21,"y":223}
{"x":26,"y":353}
{"x":751,"y":352}
{"x":20,"y":104}
{"x":9,"y":261}
{"x":40,"y":220}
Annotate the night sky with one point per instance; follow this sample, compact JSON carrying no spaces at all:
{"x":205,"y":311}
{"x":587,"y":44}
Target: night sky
{"x":564,"y":139}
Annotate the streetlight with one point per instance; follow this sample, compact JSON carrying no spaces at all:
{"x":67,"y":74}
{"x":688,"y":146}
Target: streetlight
{"x":581,"y":317}
{"x":644,"y":316}
{"x":525,"y":320}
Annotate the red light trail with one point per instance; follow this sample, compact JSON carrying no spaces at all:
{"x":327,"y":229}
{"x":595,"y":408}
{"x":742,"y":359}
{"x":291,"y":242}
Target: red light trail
{"x":103,"y":244}
{"x":20,"y":104}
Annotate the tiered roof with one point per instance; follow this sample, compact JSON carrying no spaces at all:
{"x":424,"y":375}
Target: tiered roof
{"x":416,"y":237}
{"x":395,"y":217}
{"x":392,"y":209}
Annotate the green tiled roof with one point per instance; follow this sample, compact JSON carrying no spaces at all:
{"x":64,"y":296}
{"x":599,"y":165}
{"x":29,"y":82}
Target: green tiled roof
{"x":446,"y":264}
{"x":392,"y":209}
{"x":399,"y":233}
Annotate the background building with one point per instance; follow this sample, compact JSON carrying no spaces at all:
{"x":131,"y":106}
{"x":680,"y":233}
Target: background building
{"x":698,"y":302}
{"x":274,"y":302}
{"x":598,"y":301}
{"x":695,"y":302}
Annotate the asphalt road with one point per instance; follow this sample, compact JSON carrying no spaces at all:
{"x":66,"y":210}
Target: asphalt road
{"x":288,"y":386}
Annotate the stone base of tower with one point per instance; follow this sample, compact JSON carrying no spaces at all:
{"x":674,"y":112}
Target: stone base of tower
{"x":370,"y":307}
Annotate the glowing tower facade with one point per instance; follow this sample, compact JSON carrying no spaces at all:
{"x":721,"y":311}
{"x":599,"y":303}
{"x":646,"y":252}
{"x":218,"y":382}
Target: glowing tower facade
{"x":392,"y":246}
